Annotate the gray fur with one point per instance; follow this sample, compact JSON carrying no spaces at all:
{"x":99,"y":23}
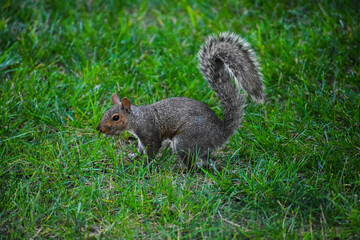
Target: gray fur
{"x":191,"y":126}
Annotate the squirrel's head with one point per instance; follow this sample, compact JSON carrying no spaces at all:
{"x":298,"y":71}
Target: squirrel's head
{"x":115,"y":120}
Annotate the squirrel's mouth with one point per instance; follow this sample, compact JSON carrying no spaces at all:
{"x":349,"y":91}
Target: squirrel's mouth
{"x":114,"y":133}
{"x":104,"y":130}
{"x":108,"y":132}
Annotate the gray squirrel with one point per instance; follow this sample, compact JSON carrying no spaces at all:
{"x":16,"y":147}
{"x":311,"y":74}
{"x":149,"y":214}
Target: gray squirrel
{"x":192,"y":127}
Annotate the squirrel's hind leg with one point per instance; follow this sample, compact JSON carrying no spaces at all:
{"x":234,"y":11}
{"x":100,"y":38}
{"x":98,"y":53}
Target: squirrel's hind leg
{"x":152,"y":149}
{"x":190,"y":153}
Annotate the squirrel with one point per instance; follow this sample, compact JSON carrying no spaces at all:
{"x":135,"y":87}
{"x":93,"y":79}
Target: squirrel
{"x":192,"y":127}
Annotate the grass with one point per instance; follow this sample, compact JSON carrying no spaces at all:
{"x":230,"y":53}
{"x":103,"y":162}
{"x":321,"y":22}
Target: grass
{"x":291,"y":171}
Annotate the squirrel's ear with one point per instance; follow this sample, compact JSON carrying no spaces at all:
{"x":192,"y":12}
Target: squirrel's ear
{"x":115,"y":99}
{"x":125,"y":104}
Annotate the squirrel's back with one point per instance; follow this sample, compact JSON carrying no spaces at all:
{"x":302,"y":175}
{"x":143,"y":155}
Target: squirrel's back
{"x":183,"y":114}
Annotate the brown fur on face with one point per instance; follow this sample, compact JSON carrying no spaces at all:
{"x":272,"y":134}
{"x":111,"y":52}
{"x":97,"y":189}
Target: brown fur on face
{"x":113,"y":126}
{"x":116,"y":119}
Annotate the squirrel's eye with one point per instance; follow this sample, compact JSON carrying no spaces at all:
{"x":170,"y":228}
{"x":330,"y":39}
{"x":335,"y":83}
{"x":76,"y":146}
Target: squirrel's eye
{"x":116,"y":117}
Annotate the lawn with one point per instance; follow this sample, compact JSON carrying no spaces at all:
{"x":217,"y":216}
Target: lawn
{"x":292,"y":171}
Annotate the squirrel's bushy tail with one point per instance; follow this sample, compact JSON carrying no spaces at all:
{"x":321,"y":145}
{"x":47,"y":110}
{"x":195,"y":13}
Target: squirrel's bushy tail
{"x":223,"y":58}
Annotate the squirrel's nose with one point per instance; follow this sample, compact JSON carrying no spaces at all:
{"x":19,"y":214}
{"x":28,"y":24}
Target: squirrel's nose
{"x":98,"y":128}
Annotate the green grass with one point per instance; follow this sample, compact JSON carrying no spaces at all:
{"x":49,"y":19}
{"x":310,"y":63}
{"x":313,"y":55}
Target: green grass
{"x":291,"y":171}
